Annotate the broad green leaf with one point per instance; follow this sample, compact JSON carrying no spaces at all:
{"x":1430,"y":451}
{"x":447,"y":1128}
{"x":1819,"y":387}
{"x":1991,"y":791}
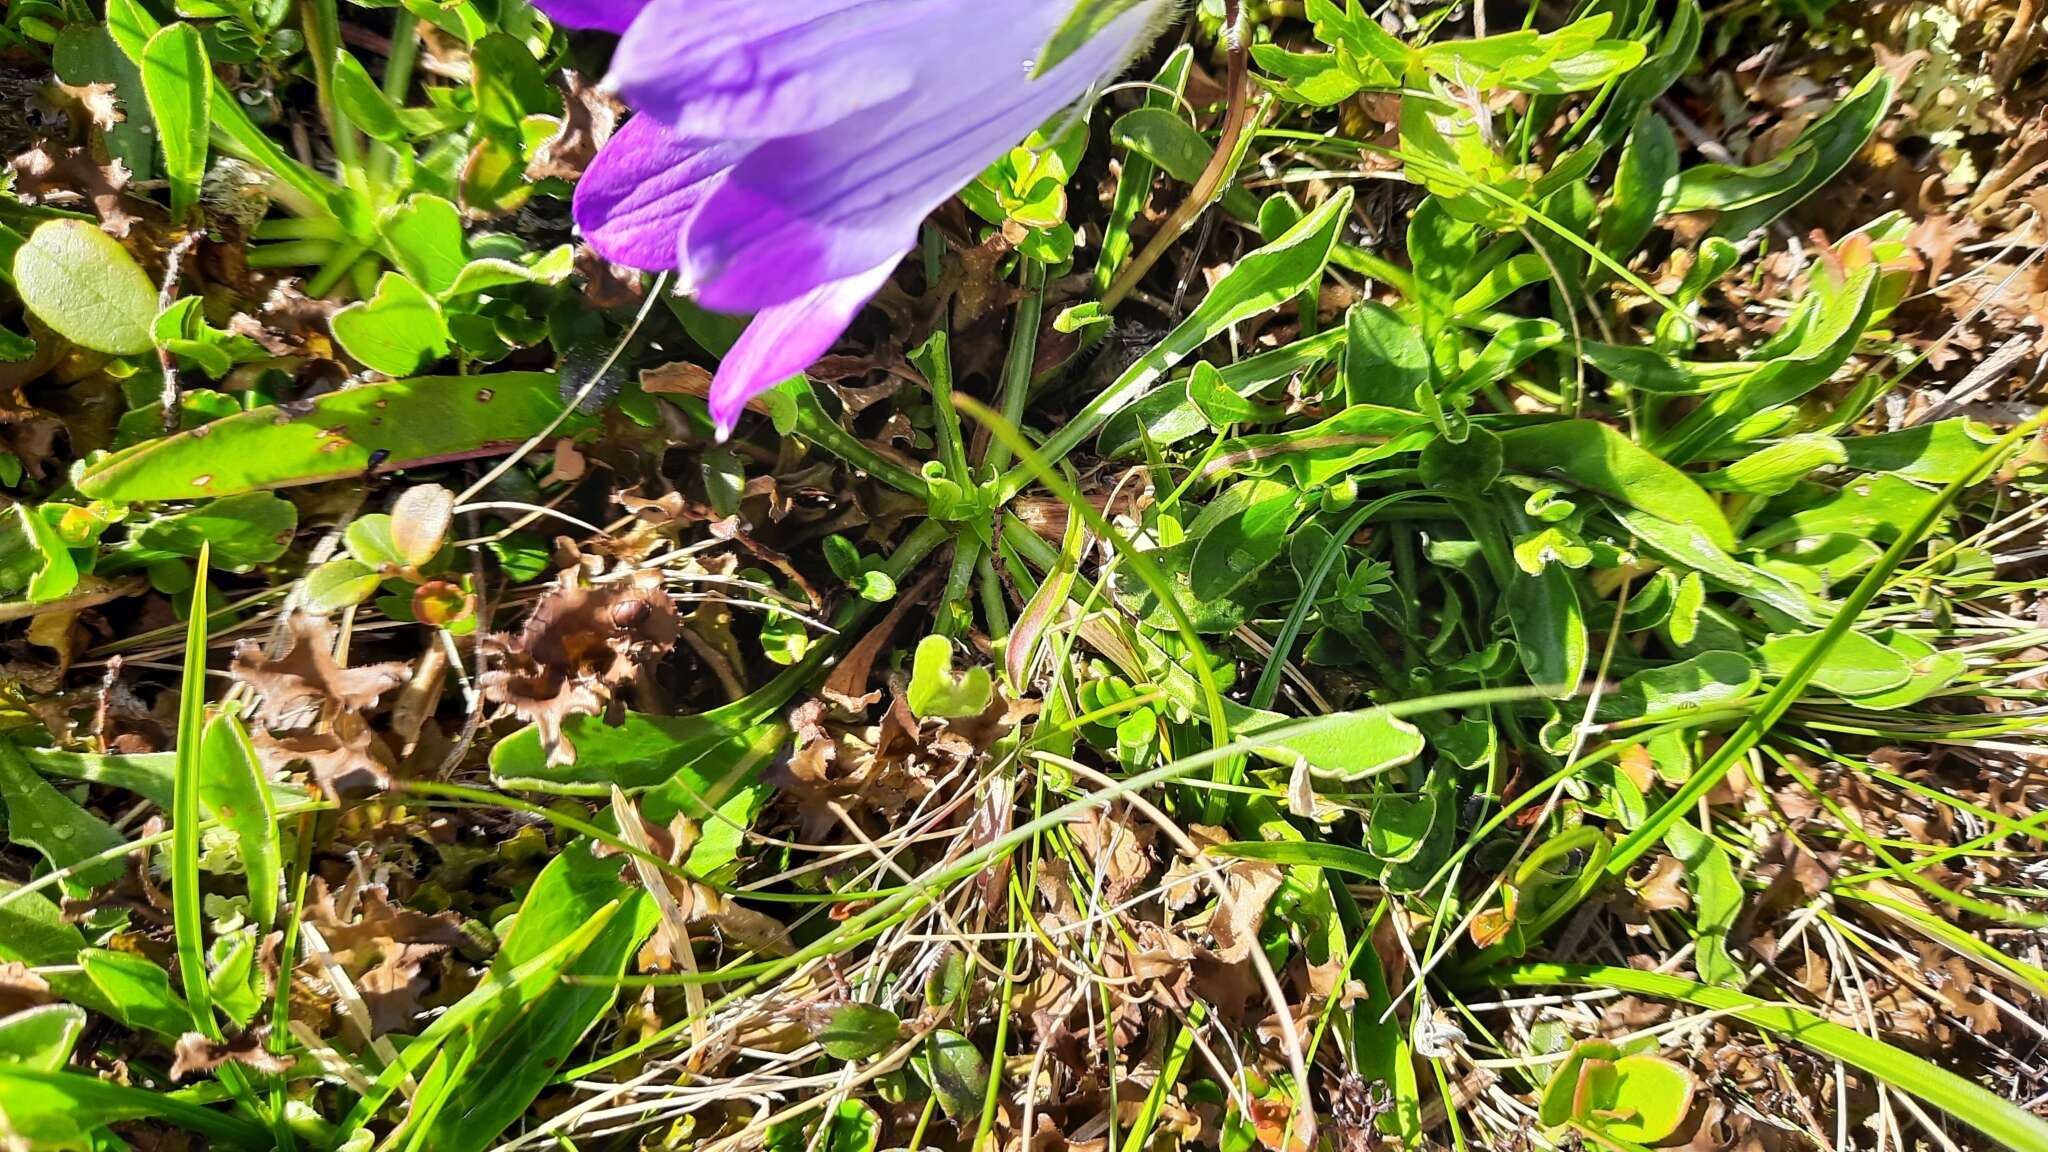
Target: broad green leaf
{"x":853,"y":1127}
{"x":243,"y":531}
{"x":1560,"y":1093}
{"x":341,"y":435}
{"x":42,"y":818}
{"x":137,"y":991}
{"x":40,"y":1039}
{"x":340,"y":584}
{"x":424,"y":237}
{"x":1597,"y":457}
{"x":58,"y":1109}
{"x":397,"y":332}
{"x":856,"y":1031}
{"x":1827,"y":334}
{"x":1238,"y":535}
{"x":1930,"y":453}
{"x":485,"y":1022}
{"x":1384,"y":360}
{"x":958,"y":1073}
{"x":1704,"y":681}
{"x":235,"y":792}
{"x":1689,"y":547}
{"x":936,"y":690}
{"x":1777,"y":468}
{"x":1856,"y":665}
{"x":84,"y":53}
{"x":178,"y":80}
{"x":482,"y":275}
{"x":33,"y":559}
{"x":1640,"y":1099}
{"x":85,"y":286}
{"x":1933,"y":669}
{"x":33,"y":930}
{"x":1399,"y":826}
{"x":1830,"y":142}
{"x":1879,"y":507}
{"x":1349,"y":746}
{"x":1644,"y":187}
{"x":365,"y":104}
{"x":1314,"y":456}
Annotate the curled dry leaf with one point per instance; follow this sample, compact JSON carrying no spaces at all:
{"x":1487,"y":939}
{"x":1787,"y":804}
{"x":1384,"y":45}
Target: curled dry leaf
{"x":198,"y":1055}
{"x":307,"y":678}
{"x":580,"y":644}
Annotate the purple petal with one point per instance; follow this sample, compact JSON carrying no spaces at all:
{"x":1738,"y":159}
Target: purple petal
{"x":753,"y":69}
{"x":647,"y":180}
{"x":788,"y":338}
{"x":602,"y":15}
{"x":802,"y":210}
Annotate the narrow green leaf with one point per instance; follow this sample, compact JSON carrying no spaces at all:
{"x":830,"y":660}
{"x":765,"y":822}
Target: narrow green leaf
{"x":178,"y":80}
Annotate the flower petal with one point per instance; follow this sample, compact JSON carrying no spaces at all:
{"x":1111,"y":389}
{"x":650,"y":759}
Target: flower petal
{"x":802,"y":210}
{"x":647,"y":180}
{"x":753,"y":69}
{"x":788,"y":338}
{"x":602,"y":15}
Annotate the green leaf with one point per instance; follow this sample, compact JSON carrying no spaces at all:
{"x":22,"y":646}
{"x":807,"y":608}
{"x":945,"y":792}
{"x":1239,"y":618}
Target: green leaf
{"x":178,"y":81}
{"x":1717,"y":904}
{"x":425,"y":239}
{"x":340,"y":584}
{"x":1087,"y":20}
{"x":1644,"y":186}
{"x":234,"y":791}
{"x":1599,"y":458}
{"x":85,"y":286}
{"x":57,"y":1110}
{"x":853,"y":1127}
{"x":40,"y":1039}
{"x":1399,"y":826}
{"x":543,"y":1022}
{"x":1931,"y":453}
{"x":1856,"y":664}
{"x":1879,"y":507}
{"x":2005,"y":1123}
{"x":365,"y":104}
{"x":33,"y":930}
{"x":42,"y":818}
{"x":1384,"y":360}
{"x":857,"y":1031}
{"x":1347,"y":746}
{"x":340,"y":436}
{"x":1304,"y":854}
{"x":137,"y":991}
{"x":33,"y":559}
{"x":243,"y":531}
{"x":935,"y":690}
{"x":1702,"y":682}
{"x":1238,"y":535}
{"x":958,"y":1073}
{"x":551,"y":267}
{"x":397,"y":332}
{"x":1778,"y":467}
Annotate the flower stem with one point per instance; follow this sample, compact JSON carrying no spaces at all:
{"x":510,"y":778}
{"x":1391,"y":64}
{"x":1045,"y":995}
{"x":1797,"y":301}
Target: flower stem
{"x":1213,"y":178}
